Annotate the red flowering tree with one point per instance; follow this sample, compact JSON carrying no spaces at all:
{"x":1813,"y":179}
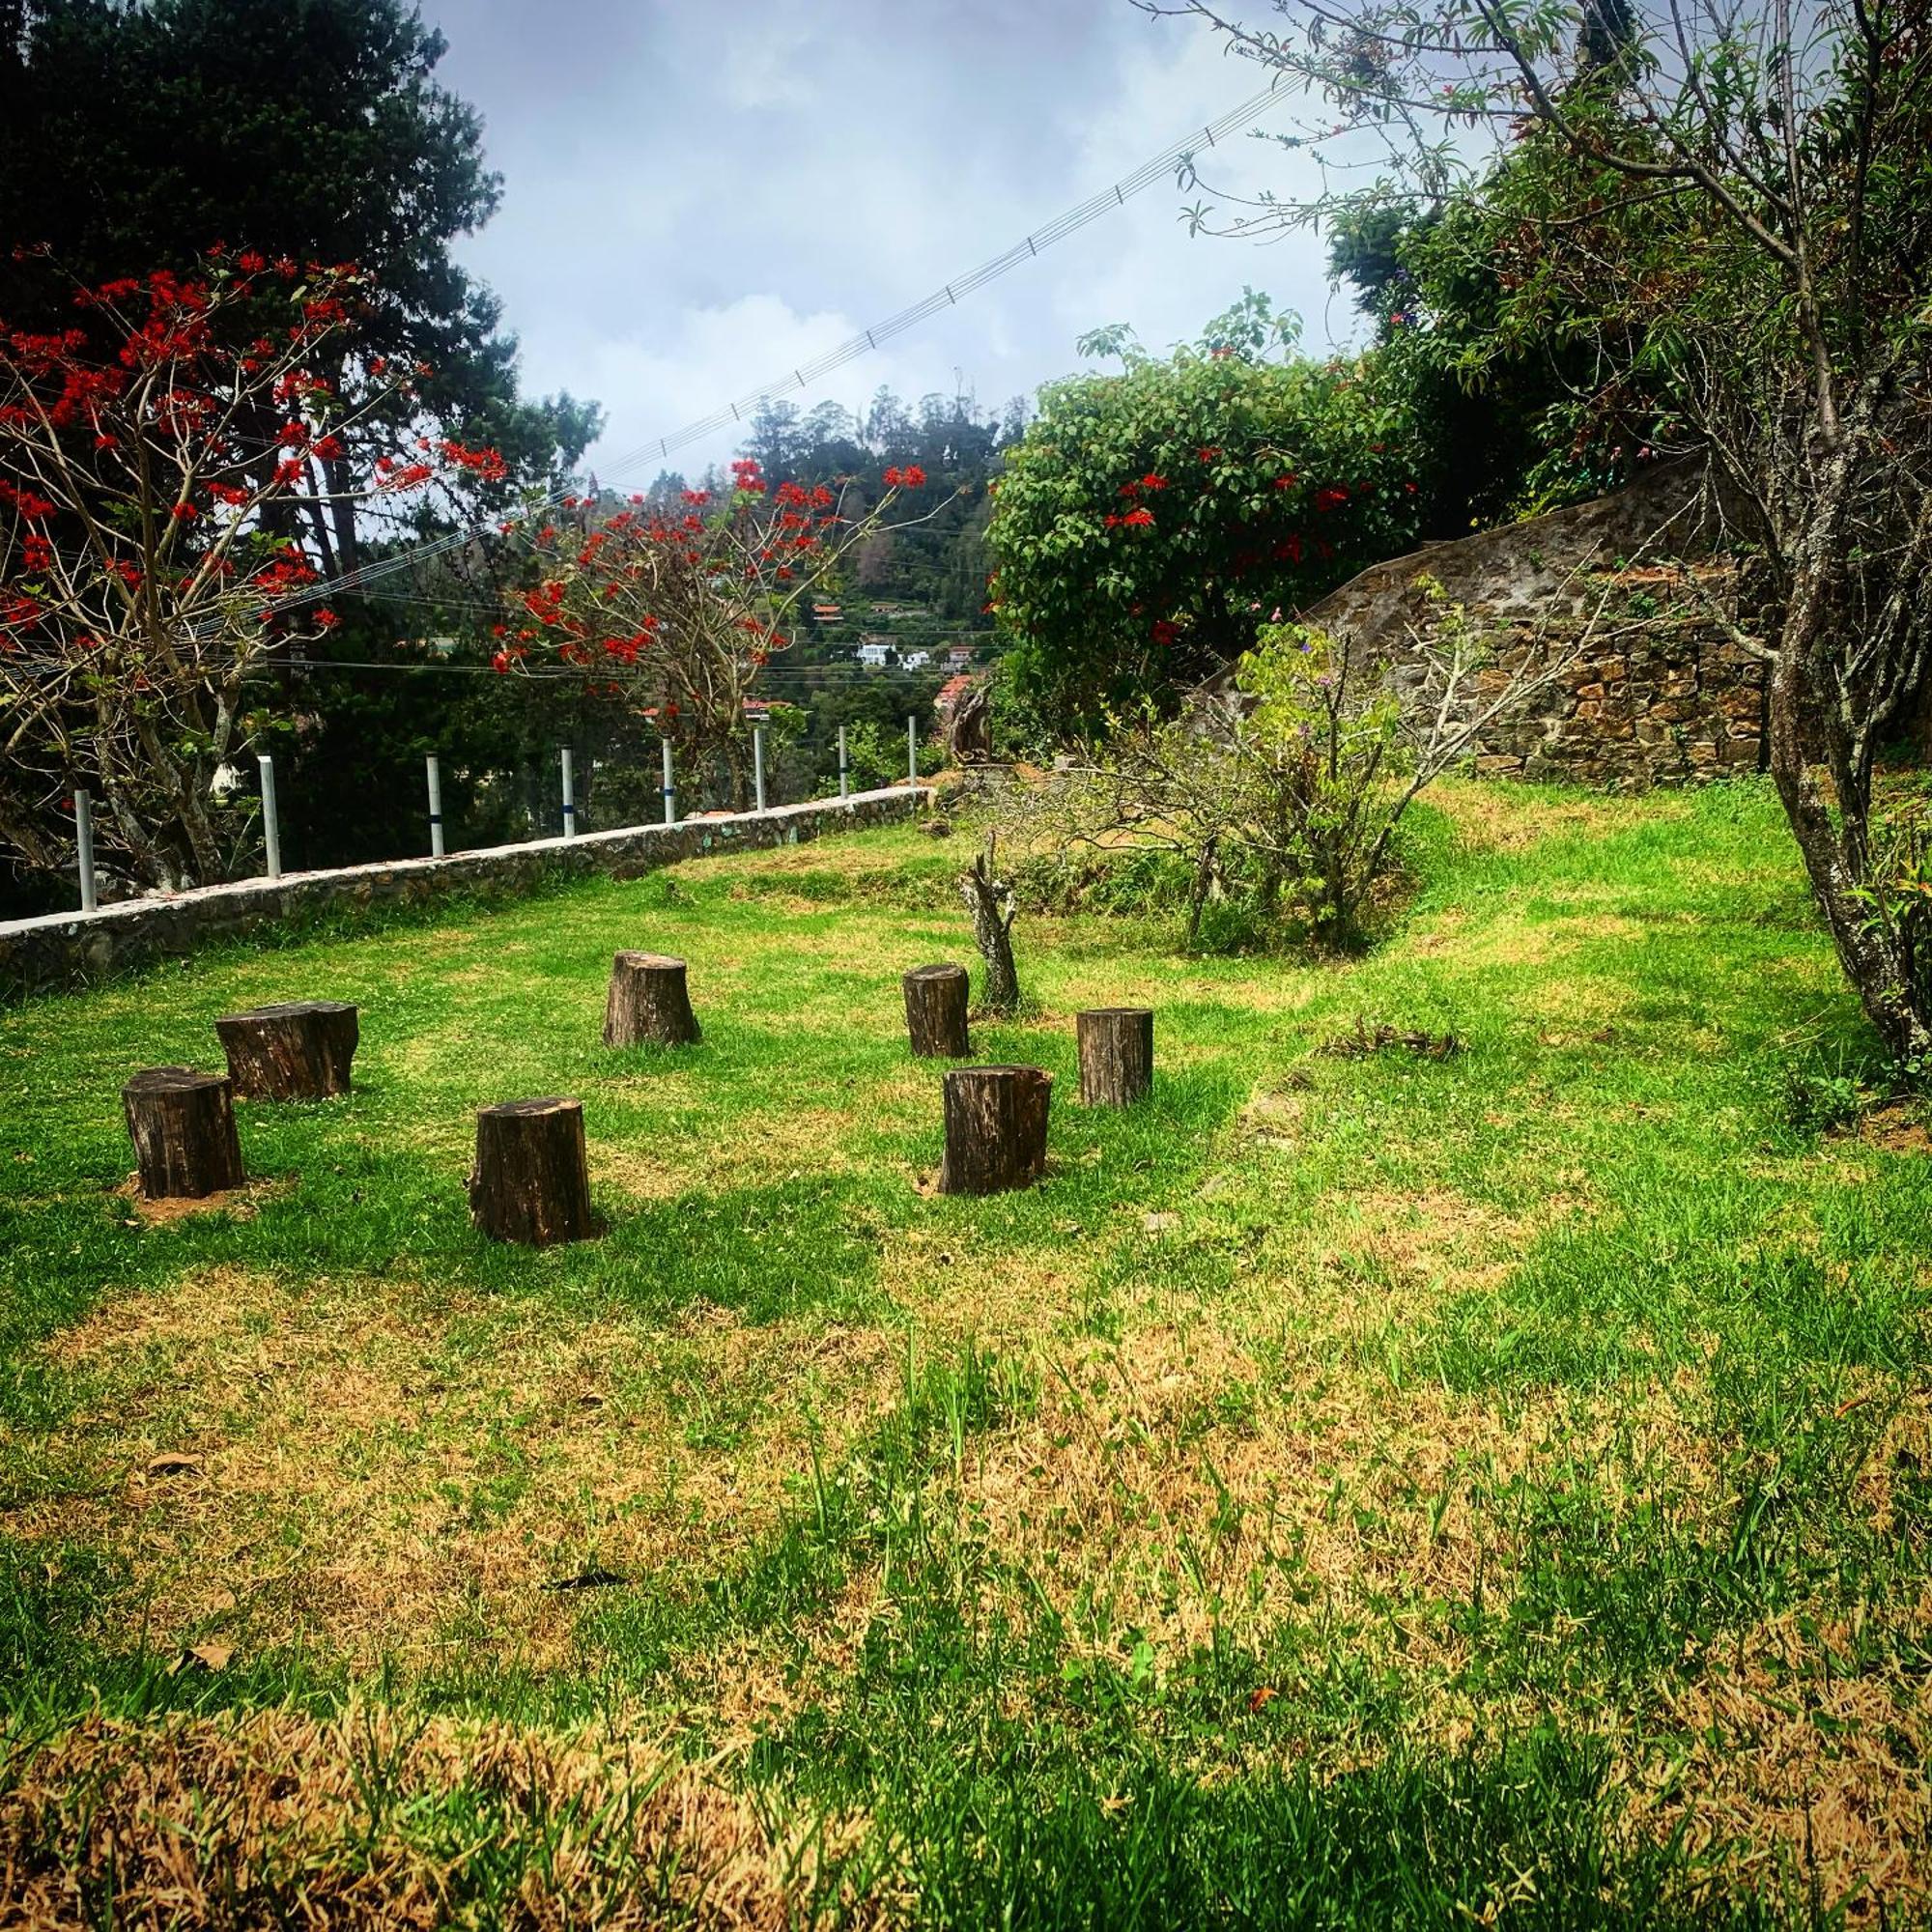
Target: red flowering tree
{"x":1149,"y":523}
{"x":158,"y":461}
{"x":674,"y":607}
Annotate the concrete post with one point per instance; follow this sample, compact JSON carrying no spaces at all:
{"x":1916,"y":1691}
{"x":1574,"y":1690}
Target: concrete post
{"x":83,"y":838}
{"x":435,"y":809}
{"x":272,"y":830}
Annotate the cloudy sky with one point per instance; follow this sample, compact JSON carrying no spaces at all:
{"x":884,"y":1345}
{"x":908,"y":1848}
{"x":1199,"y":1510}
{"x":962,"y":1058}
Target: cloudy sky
{"x":698,"y":194}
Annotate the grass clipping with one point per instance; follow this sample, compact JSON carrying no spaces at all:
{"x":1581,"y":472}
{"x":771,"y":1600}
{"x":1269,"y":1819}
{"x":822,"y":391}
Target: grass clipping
{"x":367,"y":1820}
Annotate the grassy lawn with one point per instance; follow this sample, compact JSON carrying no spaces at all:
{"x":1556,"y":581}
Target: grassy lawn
{"x":1370,"y":1490}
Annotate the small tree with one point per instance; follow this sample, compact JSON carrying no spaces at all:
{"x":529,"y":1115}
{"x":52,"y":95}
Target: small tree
{"x":1294,"y":783}
{"x":158,"y":460}
{"x":675,"y":609}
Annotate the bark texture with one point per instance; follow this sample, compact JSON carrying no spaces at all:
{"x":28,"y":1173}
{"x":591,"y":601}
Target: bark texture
{"x":531,"y":1181}
{"x":935,"y":1007}
{"x":990,"y":901}
{"x":648,"y":1003}
{"x":995,"y":1128}
{"x":182,"y":1126}
{"x":296,"y":1052}
{"x":1116,"y":1055}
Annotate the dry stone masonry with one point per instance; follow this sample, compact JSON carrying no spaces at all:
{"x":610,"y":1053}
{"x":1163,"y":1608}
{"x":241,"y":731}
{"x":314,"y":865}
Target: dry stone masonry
{"x":1658,"y":693}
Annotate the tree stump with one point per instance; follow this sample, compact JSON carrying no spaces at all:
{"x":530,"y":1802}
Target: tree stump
{"x":296,"y":1052}
{"x":935,"y":1005}
{"x":648,"y":1003}
{"x":182,"y":1126}
{"x":1116,"y":1055}
{"x":995,"y":1128}
{"x":532,"y":1182}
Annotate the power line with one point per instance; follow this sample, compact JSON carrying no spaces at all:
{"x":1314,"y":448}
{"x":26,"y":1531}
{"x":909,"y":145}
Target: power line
{"x":865,"y":343}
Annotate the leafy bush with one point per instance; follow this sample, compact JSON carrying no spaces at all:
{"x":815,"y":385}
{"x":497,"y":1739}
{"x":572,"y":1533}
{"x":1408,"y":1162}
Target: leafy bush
{"x":1821,"y":1102}
{"x":1150,"y":522}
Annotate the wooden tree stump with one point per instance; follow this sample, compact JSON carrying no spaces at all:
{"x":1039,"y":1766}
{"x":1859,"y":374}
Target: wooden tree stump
{"x":995,"y":1128}
{"x":935,"y":1007}
{"x":648,"y":1003}
{"x":1116,"y":1055}
{"x":296,"y":1052}
{"x":532,"y":1182}
{"x":182,"y":1126}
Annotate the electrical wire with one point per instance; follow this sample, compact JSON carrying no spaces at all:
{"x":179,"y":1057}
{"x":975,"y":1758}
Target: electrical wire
{"x":804,"y":374}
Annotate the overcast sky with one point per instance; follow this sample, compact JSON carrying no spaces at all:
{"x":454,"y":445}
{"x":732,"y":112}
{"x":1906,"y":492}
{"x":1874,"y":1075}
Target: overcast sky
{"x":699,"y":194}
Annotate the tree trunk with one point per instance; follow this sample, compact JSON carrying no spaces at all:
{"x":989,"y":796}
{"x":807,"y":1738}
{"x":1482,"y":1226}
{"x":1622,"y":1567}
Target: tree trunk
{"x":935,"y":1007}
{"x":532,"y":1182}
{"x":648,"y":1003}
{"x":1116,"y":1055}
{"x":1829,"y":821}
{"x":182,"y":1126}
{"x":995,"y":1128}
{"x":990,"y":901}
{"x":296,"y":1052}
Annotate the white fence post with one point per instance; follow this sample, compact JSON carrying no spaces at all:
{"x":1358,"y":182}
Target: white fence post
{"x":759,"y":763}
{"x":83,"y":838}
{"x":912,"y":749}
{"x":271,"y":831}
{"x":435,"y":809}
{"x":569,"y":798}
{"x":844,"y":767}
{"x":670,"y":785}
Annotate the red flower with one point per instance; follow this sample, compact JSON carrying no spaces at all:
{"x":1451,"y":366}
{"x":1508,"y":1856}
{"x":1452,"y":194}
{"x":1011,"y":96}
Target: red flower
{"x":1165,"y":632}
{"x":1206,"y":453}
{"x":327,"y":619}
{"x":1138,"y":519}
{"x":183,"y":513}
{"x":913,"y":477}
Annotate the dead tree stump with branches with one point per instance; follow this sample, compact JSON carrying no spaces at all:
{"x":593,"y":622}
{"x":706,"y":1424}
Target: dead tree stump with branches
{"x":990,"y":901}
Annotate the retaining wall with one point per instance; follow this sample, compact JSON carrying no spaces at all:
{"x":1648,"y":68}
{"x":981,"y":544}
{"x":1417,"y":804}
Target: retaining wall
{"x":70,"y":948}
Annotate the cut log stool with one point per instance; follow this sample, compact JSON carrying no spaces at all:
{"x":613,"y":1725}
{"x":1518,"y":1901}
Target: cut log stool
{"x":1116,"y":1055}
{"x":995,"y":1128}
{"x":182,"y":1126}
{"x":297,"y":1052}
{"x":532,"y":1182}
{"x":648,"y":1003}
{"x":935,"y":1006}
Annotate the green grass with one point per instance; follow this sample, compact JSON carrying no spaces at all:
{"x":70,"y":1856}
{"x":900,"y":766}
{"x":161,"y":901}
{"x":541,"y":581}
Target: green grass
{"x":1349,"y":1492}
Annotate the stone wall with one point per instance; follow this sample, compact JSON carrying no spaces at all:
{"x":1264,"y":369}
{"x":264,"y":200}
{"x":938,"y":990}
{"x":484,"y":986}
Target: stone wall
{"x":70,"y":948}
{"x":1621,"y":593}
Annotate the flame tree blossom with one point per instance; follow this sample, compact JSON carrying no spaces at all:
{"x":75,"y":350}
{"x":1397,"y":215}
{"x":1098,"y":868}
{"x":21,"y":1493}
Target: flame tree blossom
{"x":675,"y":609}
{"x":158,"y":460}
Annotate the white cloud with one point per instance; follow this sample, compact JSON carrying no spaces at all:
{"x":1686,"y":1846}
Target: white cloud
{"x":697,"y":197}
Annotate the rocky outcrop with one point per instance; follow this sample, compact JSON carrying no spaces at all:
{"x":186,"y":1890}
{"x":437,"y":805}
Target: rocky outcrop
{"x":1628,"y":594}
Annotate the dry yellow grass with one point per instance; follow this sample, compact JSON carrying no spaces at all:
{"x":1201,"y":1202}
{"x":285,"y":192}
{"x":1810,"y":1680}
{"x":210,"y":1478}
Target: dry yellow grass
{"x":267,"y":1820}
{"x":373,"y":1468}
